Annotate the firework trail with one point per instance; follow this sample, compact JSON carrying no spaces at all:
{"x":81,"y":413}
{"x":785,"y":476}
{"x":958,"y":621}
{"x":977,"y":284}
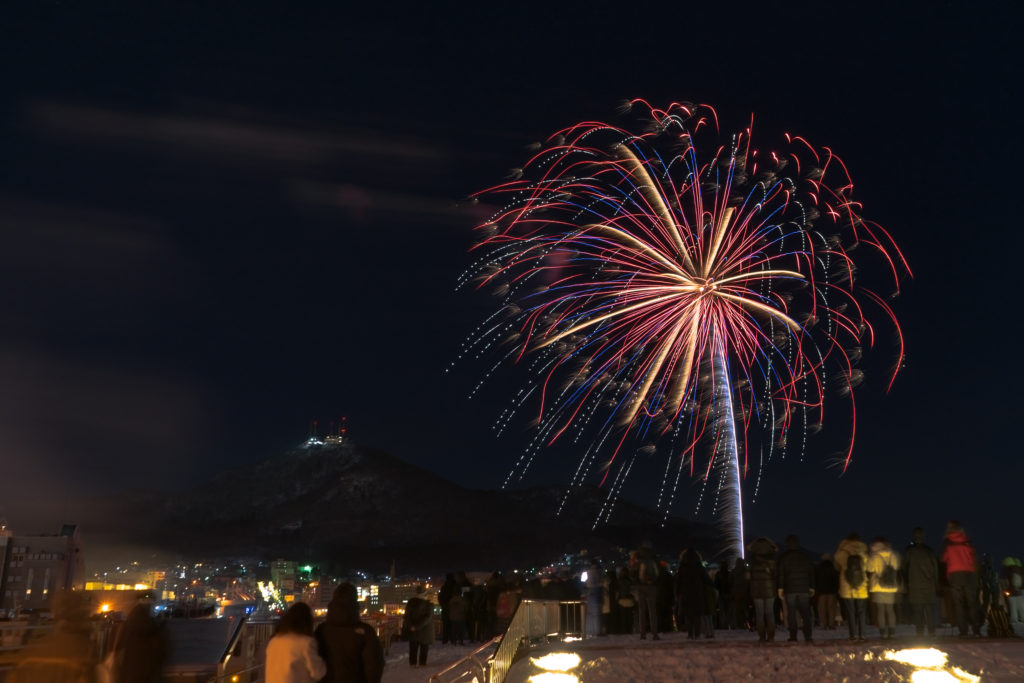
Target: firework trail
{"x":673,"y":287}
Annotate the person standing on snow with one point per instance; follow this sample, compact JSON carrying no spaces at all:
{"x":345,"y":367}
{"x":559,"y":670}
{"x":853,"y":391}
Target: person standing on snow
{"x":883,"y":585}
{"x":851,"y":559}
{"x":644,"y":571}
{"x":962,"y":574}
{"x":795,"y":579}
{"x":826,"y":592}
{"x":762,"y":586}
{"x":921,"y":574}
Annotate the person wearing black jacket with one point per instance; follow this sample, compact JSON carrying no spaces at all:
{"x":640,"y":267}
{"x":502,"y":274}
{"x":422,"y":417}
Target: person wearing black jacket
{"x":795,"y":578}
{"x":826,"y":592}
{"x":692,"y":582}
{"x":921,"y":576}
{"x":349,"y":646}
{"x":762,"y":586}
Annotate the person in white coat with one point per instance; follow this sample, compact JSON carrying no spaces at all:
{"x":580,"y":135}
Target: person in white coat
{"x":292,"y":655}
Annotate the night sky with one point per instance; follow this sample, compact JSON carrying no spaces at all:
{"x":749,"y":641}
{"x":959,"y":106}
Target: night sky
{"x":220,"y":223}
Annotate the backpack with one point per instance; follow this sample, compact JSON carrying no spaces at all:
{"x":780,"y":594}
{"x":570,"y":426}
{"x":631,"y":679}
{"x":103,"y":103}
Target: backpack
{"x":854,"y":572}
{"x":648,"y":570}
{"x":888,"y":577}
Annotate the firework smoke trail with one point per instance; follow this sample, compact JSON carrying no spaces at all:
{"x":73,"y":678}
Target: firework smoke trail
{"x":729,"y":460}
{"x":636,"y":264}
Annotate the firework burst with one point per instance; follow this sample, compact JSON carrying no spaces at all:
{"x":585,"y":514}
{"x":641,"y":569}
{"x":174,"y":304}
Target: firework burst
{"x":676,"y":287}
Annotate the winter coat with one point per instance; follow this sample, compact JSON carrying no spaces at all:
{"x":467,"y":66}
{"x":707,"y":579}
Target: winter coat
{"x":958,"y":555}
{"x":691,"y":584}
{"x":826,"y":578}
{"x":141,"y":648}
{"x":921,"y":574}
{"x":350,"y":647}
{"x":840,"y":558}
{"x":457,"y":608}
{"x":762,"y":568}
{"x":419,"y":620}
{"x":795,"y":571}
{"x":740,"y":579}
{"x":881,"y":555}
{"x":293,"y":658}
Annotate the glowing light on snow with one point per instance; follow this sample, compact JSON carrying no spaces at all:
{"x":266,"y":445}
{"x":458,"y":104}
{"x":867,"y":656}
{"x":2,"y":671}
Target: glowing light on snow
{"x":557,"y":661}
{"x":925,"y":658}
{"x":931,"y":666}
{"x":548,"y":677}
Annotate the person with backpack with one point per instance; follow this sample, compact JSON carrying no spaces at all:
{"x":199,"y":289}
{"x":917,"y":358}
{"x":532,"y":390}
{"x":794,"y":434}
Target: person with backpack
{"x":850,"y":559}
{"x":962,"y":574}
{"x":921,"y":575}
{"x":762,"y":586}
{"x":884,"y":585}
{"x":644,"y":571}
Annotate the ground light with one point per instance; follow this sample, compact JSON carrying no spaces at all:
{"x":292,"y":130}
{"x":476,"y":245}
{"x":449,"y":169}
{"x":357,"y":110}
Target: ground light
{"x":556,"y":666}
{"x":930,"y":666}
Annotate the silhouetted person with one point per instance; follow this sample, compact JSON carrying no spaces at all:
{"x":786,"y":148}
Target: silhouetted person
{"x":740,"y":576}
{"x":292,"y":655}
{"x":349,"y":646}
{"x":692,"y":581}
{"x":444,"y":597}
{"x":644,"y":571}
{"x":762,"y":586}
{"x":419,"y":625}
{"x":795,"y":579}
{"x":826,"y":592}
{"x":921,"y":575}
{"x":141,"y":648}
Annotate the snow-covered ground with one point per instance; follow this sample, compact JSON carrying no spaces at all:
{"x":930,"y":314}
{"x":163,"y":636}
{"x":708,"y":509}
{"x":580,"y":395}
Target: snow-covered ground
{"x":737,"y":656}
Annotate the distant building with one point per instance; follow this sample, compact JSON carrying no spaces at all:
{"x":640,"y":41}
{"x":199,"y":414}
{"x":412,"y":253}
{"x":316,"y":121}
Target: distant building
{"x":36,"y":567}
{"x":282,"y":574}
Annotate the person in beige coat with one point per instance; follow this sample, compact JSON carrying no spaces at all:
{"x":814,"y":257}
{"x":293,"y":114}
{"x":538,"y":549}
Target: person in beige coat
{"x":883,"y":585}
{"x":292,"y":655}
{"x":851,"y":560}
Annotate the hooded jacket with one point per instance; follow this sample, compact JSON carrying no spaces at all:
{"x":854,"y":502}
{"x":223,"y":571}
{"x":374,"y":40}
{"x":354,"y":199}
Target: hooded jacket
{"x":795,"y":569}
{"x":959,"y":553}
{"x":921,"y":572}
{"x":349,"y":646}
{"x":841,"y":557}
{"x":882,"y":554}
{"x":762,"y":568}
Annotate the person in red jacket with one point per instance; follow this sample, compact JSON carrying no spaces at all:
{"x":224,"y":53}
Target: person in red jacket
{"x":962,"y":573}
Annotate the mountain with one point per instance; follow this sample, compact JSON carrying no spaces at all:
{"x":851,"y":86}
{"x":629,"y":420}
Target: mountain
{"x":359,"y":507}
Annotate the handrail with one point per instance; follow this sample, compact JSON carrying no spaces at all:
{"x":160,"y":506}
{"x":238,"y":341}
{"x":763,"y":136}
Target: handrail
{"x":535,"y":620}
{"x":471,"y":664}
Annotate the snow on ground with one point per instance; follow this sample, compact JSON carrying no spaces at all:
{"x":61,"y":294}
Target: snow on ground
{"x":737,"y":656}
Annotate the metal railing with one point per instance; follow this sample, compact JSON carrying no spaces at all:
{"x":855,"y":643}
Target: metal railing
{"x":472,"y":667}
{"x":534,"y":621}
